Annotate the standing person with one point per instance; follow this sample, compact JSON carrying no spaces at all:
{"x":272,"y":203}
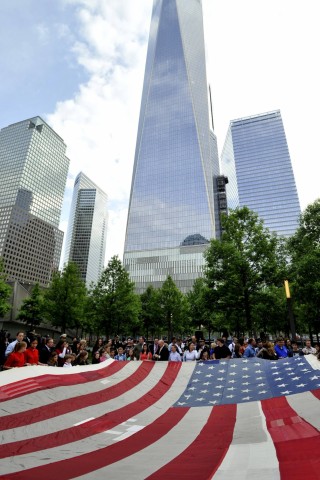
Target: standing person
{"x":174,"y":342}
{"x":130,"y":355}
{"x":138,"y":347}
{"x":288,"y":345}
{"x":267,"y":352}
{"x":104,"y":354}
{"x":31,"y":354}
{"x":250,"y":351}
{"x":97,"y":345}
{"x":174,"y":355}
{"x":221,"y":350}
{"x":191,"y":355}
{"x":46,"y":350}
{"x":308,"y":349}
{"x":96,"y":357}
{"x":145,"y":354}
{"x":280,"y":348}
{"x":121,"y":356}
{"x":11,"y":346}
{"x":53,"y":360}
{"x":154,"y":347}
{"x":16,"y":358}
{"x":232,"y":346}
{"x":203,"y":348}
{"x":296,"y":351}
{"x":62,"y":349}
{"x":68,"y":361}
{"x":82,"y":358}
{"x":212,"y":347}
{"x":163,"y":352}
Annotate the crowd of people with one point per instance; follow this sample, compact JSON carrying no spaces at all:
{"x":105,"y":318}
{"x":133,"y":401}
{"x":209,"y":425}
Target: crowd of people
{"x":25,"y":351}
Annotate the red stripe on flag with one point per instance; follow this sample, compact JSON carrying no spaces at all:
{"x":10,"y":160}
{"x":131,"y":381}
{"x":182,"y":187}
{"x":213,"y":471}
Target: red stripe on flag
{"x":44,"y":382}
{"x":297,"y":443}
{"x":204,"y":456}
{"x":316,"y":393}
{"x":82,"y":401}
{"x":103,"y":457}
{"x":98,"y":425}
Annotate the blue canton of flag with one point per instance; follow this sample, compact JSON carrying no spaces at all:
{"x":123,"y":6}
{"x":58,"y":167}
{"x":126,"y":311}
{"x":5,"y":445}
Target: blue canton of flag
{"x":247,"y":380}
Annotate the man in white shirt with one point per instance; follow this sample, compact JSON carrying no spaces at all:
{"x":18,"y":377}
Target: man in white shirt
{"x":10,"y":347}
{"x":308,"y":349}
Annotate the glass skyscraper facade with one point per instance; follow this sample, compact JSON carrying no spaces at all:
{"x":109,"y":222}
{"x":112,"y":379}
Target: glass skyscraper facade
{"x":257,"y":162}
{"x":171,"y":215}
{"x":33,"y":173}
{"x":87,"y":229}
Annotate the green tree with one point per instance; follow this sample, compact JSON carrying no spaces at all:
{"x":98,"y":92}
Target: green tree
{"x":115,"y":304}
{"x":173,"y":307}
{"x":65,"y":299}
{"x":150,"y":310}
{"x":304,"y":248}
{"x":239,"y":267}
{"x":31,"y":310}
{"x":5,"y":292}
{"x":200,"y":311}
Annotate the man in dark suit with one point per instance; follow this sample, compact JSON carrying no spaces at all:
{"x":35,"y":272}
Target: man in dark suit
{"x":163,"y":352}
{"x":45,"y":352}
{"x":154,"y":347}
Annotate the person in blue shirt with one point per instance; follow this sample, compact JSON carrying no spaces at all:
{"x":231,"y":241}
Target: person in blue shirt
{"x":120,"y":356}
{"x":280,"y":348}
{"x":250,"y":351}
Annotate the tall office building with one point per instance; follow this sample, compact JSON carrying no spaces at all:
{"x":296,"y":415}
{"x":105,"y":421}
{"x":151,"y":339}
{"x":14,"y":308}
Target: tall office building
{"x":33,"y":173}
{"x":171,"y":215}
{"x":87,"y":229}
{"x":256,"y":160}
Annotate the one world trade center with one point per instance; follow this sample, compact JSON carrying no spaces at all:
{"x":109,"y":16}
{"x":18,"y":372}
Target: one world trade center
{"x":173,"y":210}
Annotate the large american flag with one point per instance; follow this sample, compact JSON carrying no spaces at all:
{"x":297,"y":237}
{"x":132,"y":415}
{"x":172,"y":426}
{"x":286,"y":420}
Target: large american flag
{"x":236,"y":419}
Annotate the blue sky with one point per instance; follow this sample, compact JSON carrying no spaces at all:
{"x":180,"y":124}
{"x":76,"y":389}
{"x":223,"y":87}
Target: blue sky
{"x":80,"y":63}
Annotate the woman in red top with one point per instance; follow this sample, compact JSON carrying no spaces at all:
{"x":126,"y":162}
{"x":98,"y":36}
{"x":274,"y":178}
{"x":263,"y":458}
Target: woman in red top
{"x":31,"y":355}
{"x":145,"y":355}
{"x":16,"y":358}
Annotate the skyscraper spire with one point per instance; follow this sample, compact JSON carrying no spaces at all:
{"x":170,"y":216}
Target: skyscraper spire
{"x":171,"y":213}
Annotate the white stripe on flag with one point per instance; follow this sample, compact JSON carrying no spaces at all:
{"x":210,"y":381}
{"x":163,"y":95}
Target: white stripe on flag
{"x":155,"y":456}
{"x":59,"y":393}
{"x":307,"y":407}
{"x":101,"y":440}
{"x":68,"y":420}
{"x":251,"y":450}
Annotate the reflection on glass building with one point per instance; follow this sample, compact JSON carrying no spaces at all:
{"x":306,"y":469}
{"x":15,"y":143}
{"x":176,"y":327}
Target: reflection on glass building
{"x":33,"y":172}
{"x":256,"y":160}
{"x":171,"y":215}
{"x":87,"y":229}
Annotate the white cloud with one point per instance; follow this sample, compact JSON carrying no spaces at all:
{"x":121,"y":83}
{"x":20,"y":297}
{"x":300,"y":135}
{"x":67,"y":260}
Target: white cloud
{"x":99,"y":124}
{"x":262,"y":57}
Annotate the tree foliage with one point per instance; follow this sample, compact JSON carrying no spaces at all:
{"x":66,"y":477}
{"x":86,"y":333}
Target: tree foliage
{"x":31,"y":311}
{"x":5,"y":292}
{"x":150,"y":310}
{"x":241,"y":267}
{"x":173,"y":307}
{"x":115,"y":305}
{"x":304,"y":248}
{"x":65,"y":299}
